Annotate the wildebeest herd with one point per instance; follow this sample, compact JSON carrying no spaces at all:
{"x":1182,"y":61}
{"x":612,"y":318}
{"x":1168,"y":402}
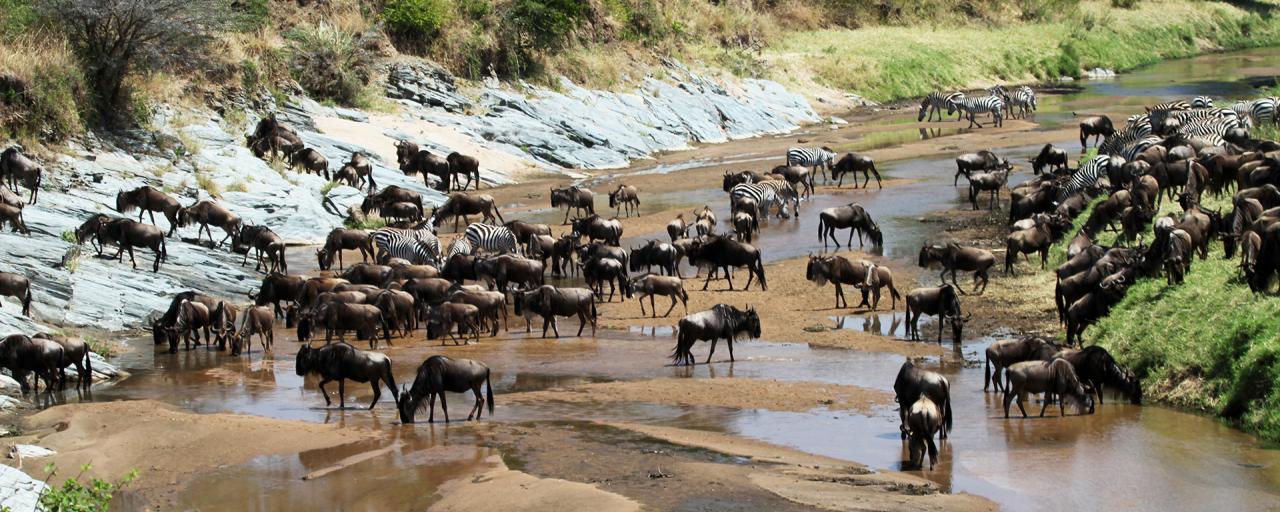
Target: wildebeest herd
{"x":407,"y":280}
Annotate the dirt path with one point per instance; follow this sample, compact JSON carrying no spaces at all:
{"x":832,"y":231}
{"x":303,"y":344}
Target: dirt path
{"x":735,"y":393}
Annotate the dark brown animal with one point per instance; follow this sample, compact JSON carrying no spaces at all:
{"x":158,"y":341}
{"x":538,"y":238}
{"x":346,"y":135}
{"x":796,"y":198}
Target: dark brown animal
{"x":18,"y":286}
{"x":311,"y":161}
{"x":952,"y":257}
{"x":149,"y":200}
{"x":12,"y":215}
{"x":128,"y":234}
{"x":16,"y":168}
{"x":941,"y":301}
{"x":342,"y":239}
{"x":853,"y":163}
{"x":549,"y":302}
{"x":340,"y":362}
{"x":1097,"y":127}
{"x":1057,"y":376}
{"x":466,"y":165}
{"x":864,"y":275}
{"x":208,"y":213}
{"x":268,"y":245}
{"x":257,"y":321}
{"x":464,"y":205}
{"x":626,"y":197}
{"x":573,"y":198}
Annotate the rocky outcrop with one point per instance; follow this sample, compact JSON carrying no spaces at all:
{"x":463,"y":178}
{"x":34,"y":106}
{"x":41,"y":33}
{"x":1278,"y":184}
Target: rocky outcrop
{"x":198,"y":154}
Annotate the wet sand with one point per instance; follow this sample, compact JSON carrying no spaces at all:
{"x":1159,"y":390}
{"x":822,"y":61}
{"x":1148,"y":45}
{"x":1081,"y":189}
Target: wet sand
{"x":735,"y":393}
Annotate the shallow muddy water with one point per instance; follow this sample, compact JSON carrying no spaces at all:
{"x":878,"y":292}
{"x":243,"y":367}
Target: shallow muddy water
{"x":1123,"y":457}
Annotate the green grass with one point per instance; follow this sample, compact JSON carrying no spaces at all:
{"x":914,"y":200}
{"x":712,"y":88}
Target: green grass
{"x":1208,"y":344}
{"x":891,"y":63}
{"x":366,"y":223}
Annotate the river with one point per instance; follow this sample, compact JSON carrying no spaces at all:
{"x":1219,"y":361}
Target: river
{"x":1123,"y":457}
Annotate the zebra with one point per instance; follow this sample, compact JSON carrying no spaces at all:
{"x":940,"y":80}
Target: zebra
{"x":491,"y":238}
{"x":1263,"y":110}
{"x":1208,"y":126}
{"x":1117,"y":142}
{"x":460,"y":245}
{"x":1024,"y":98}
{"x":984,"y":105}
{"x":820,"y":159}
{"x":1201,"y":102}
{"x":936,"y":101}
{"x":1159,"y":112}
{"x":766,"y":193}
{"x":1086,"y":176}
{"x":1131,"y":151}
{"x":419,"y":247}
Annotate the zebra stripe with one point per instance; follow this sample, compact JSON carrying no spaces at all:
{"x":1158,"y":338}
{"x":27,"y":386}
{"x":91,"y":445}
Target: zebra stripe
{"x":936,"y":101}
{"x":1130,"y":152}
{"x":985,"y":105}
{"x":1114,"y":144}
{"x":491,"y":238}
{"x":419,"y":247}
{"x":811,"y":157}
{"x":1024,"y":98}
{"x":1201,"y":102}
{"x":1263,"y":110}
{"x":460,"y":245}
{"x":1208,"y":126}
{"x":766,"y":193}
{"x":1086,"y":176}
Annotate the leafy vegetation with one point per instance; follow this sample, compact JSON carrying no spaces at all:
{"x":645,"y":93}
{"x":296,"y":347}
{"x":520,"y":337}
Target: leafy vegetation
{"x":330,"y":63}
{"x":75,"y":496}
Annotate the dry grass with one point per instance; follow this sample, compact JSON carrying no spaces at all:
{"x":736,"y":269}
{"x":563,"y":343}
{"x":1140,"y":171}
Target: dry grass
{"x":49,"y":87}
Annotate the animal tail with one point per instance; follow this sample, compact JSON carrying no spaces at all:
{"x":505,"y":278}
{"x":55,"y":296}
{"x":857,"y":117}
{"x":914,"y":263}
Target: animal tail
{"x":391,"y":379}
{"x":893,"y":292}
{"x":986,"y":378}
{"x":26,"y":303}
{"x":682,"y":347}
{"x":488,"y":391}
{"x":821,"y":226}
{"x":1059,"y":301}
{"x":87,"y":378}
{"x":760,"y":270}
{"x":1010,"y":257}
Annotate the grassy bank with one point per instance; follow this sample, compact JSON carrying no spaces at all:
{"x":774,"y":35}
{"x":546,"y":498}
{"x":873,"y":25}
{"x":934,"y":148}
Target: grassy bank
{"x":896,"y":62}
{"x":1208,"y":344}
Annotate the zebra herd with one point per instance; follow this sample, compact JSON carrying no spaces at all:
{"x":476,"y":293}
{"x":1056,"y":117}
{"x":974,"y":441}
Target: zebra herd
{"x":999,"y":103}
{"x":422,"y":247}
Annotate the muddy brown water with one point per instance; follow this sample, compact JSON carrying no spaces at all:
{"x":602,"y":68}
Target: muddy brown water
{"x":1123,"y":457}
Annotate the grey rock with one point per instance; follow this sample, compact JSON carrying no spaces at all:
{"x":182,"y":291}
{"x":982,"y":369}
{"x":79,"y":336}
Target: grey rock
{"x":19,"y":492}
{"x":425,"y":84}
{"x":29,"y":451}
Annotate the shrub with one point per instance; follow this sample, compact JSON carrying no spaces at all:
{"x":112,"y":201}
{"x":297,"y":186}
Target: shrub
{"x":1124,"y":4}
{"x":74,"y":496}
{"x":16,"y":17}
{"x":41,"y":87}
{"x":421,"y":18}
{"x":329,"y":63}
{"x":116,"y":38}
{"x":545,"y":24}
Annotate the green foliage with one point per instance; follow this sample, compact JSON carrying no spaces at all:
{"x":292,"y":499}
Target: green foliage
{"x":68,"y":236}
{"x":74,"y":496}
{"x":365,"y":223}
{"x":1124,"y":4}
{"x":544,"y":24}
{"x":16,"y":17}
{"x":421,"y":18}
{"x":329,"y":63}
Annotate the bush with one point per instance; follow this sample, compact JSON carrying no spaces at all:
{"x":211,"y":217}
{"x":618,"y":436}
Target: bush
{"x":545,"y":24}
{"x":41,"y":88}
{"x":117,"y":38}
{"x":16,"y":17}
{"x":329,"y":63}
{"x":420,"y":18}
{"x":74,"y":496}
{"x":1124,"y":4}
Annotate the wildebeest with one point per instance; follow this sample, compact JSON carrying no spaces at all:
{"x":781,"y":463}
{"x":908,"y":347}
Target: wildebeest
{"x":1029,"y":199}
{"x":18,"y":286}
{"x":1026,"y":241}
{"x":277,"y":288}
{"x":466,"y":165}
{"x":21,"y":355}
{"x":259,"y":321}
{"x":268,"y":245}
{"x":464,"y":205}
{"x":193,"y":319}
{"x":311,"y":161}
{"x":1097,"y":303}
{"x":911,"y":384}
{"x":625,"y":197}
{"x":549,"y":302}
{"x":573,"y":198}
{"x":1003,"y":353}
{"x":222,"y":321}
{"x":128,"y":234}
{"x":984,"y":160}
{"x":16,"y":168}
{"x":650,"y":285}
{"x":273,"y":136}
{"x":459,"y":267}
{"x":595,"y":227}
{"x":987,"y":182}
{"x":1056,"y":376}
{"x":75,"y":352}
{"x":341,"y":239}
{"x":1097,"y":127}
{"x":852,"y":163}
{"x":491,"y":305}
{"x":1178,"y":257}
{"x":677,"y":228}
{"x":209,"y":213}
{"x":662,"y":254}
{"x":390,"y":195}
{"x":744,"y":225}
{"x":721,"y":321}
{"x":364,"y":319}
{"x":724,"y":253}
{"x":852,"y":217}
{"x":340,"y":362}
{"x":598,"y":271}
{"x":506,"y":269}
{"x":360,"y":166}
{"x":941,"y":301}
{"x":425,"y":162}
{"x":149,"y":200}
{"x":524,"y":230}
{"x":924,"y":421}
{"x":12,"y":215}
{"x":439,"y":374}
{"x":1049,"y":159}
{"x":864,"y":275}
{"x":442,"y":318}
{"x":952,"y":257}
{"x":1096,"y":368}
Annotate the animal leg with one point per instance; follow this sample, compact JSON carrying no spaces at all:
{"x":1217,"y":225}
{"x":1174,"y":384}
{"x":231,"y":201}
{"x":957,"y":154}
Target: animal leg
{"x":342,"y":393}
{"x":444,"y":406}
{"x":324,"y":393}
{"x":713,"y":349}
{"x":673,"y":306}
{"x":376,"y":394}
{"x":1043,"y":404}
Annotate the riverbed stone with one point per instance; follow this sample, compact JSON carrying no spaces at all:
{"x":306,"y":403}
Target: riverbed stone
{"x":19,"y":492}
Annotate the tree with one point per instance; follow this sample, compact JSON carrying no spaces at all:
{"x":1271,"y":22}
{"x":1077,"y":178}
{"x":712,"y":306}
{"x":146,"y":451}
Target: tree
{"x":114,"y":38}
